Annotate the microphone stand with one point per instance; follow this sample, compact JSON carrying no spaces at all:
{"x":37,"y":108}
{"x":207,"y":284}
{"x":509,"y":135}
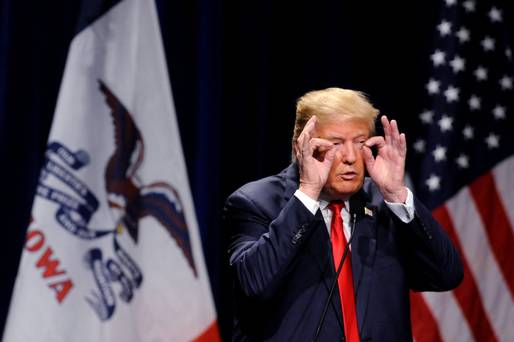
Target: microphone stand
{"x":334,"y":282}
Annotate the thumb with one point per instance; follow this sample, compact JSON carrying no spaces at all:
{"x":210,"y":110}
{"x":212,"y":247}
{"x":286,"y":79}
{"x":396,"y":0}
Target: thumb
{"x":369,"y":160}
{"x":330,"y":156}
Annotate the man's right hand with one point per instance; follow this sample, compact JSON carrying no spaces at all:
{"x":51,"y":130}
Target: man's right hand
{"x":315,"y":157}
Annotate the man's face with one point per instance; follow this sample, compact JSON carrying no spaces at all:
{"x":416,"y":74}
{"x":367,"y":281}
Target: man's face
{"x":347,"y":173}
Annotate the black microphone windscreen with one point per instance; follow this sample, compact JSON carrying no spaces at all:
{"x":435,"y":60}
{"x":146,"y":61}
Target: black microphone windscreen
{"x":357,"y":204}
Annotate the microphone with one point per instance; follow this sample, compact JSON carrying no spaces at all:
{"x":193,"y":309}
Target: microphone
{"x":356,"y":209}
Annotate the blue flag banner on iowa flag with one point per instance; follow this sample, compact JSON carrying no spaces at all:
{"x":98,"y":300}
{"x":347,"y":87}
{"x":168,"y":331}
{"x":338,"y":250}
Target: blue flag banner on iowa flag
{"x":462,"y":166}
{"x":113,"y":251}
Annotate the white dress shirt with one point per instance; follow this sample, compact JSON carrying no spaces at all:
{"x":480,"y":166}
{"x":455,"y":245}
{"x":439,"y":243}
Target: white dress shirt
{"x":404,"y":211}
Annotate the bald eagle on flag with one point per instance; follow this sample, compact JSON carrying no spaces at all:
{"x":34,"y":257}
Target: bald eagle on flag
{"x":128,"y":198}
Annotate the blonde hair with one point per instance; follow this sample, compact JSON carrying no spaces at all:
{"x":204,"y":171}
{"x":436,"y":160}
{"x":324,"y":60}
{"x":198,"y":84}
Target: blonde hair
{"x":333,"y":104}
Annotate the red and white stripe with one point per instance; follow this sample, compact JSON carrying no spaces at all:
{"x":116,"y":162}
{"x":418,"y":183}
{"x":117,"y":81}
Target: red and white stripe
{"x":479,"y":219}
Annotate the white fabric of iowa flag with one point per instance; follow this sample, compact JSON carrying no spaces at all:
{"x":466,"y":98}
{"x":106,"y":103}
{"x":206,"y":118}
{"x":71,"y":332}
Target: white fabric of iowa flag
{"x":113,"y":251}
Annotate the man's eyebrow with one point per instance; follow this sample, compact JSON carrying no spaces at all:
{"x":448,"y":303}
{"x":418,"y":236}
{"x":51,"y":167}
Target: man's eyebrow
{"x":356,"y":136}
{"x":332,"y":137}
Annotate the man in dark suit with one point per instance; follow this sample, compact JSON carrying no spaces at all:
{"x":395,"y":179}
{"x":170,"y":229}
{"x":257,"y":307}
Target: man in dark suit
{"x":288,"y":233}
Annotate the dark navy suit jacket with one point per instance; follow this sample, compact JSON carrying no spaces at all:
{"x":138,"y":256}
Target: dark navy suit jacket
{"x":282,"y":265}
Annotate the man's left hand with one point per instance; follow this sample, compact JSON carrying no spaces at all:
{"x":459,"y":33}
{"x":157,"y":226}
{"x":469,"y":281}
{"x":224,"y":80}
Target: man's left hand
{"x":388,"y":168}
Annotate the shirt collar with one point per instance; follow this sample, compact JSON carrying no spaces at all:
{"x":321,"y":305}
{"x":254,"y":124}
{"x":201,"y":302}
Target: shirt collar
{"x":324,"y":204}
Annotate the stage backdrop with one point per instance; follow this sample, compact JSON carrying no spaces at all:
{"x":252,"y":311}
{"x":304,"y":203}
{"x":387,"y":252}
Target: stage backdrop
{"x":236,"y":70}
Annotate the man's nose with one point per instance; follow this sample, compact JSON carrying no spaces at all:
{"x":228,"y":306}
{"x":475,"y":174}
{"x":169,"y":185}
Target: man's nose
{"x":347,"y":152}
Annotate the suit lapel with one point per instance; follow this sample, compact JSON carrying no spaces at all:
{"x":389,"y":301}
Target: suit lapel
{"x":363,"y":257}
{"x":320,"y":250}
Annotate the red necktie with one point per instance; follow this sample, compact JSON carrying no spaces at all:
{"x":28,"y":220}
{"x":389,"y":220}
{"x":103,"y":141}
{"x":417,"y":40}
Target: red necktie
{"x":345,"y":280}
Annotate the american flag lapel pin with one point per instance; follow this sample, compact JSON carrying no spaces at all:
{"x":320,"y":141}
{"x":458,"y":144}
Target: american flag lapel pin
{"x":368,"y":212}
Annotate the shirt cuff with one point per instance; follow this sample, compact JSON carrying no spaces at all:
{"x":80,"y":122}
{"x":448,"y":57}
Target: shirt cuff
{"x":309,"y":203}
{"x":404,"y":211}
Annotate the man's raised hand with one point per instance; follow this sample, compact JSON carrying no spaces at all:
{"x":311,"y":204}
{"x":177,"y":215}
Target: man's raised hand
{"x":315,"y":157}
{"x":388,"y":169}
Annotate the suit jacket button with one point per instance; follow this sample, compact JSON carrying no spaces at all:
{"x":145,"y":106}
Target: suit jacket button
{"x":297,"y":237}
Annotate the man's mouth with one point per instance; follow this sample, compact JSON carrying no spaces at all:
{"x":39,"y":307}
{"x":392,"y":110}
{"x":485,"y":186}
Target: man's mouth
{"x":349,"y":175}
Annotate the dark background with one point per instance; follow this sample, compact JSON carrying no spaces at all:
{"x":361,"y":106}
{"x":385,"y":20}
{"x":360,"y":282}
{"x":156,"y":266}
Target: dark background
{"x":236,"y":70}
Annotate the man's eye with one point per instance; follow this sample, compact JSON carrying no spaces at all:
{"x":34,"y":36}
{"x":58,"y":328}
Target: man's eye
{"x":359,"y":143}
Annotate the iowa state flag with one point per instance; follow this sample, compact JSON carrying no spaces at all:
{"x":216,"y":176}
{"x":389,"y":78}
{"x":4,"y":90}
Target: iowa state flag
{"x":113,"y":251}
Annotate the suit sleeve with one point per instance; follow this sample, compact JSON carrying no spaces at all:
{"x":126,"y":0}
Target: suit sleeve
{"x":433,"y":263}
{"x":262,"y":248}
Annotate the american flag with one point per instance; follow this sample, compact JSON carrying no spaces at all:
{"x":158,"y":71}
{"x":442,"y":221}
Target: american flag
{"x":462,"y":166}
